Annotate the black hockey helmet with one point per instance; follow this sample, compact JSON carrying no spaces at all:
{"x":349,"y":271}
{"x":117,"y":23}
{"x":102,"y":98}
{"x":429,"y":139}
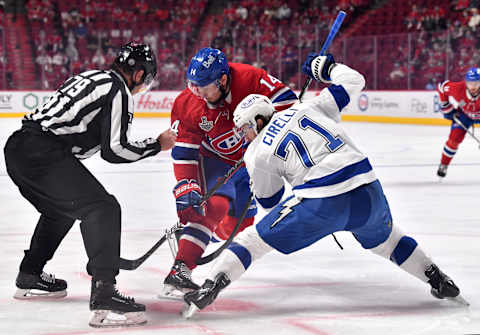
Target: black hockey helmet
{"x":134,"y":56}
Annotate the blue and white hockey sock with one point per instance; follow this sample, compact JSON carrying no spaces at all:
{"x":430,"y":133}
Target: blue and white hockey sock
{"x":404,"y":251}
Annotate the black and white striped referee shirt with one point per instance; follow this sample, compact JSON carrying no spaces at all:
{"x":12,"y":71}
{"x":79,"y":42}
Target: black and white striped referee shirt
{"x":93,"y":111}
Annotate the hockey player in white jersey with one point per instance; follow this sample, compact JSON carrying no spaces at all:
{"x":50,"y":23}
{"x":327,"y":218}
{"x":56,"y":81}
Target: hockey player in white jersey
{"x":334,"y":187}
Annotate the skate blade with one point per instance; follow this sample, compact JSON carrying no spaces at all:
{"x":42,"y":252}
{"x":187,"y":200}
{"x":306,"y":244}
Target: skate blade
{"x":29,"y":294}
{"x":111,"y":319}
{"x":459,"y":300}
{"x":171,"y":293}
{"x":189,"y":311}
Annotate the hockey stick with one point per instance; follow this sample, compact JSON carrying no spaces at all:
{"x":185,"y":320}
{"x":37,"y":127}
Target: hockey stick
{"x":126,"y":264}
{"x":132,"y":264}
{"x":216,"y":253}
{"x":466,"y":129}
{"x":333,"y":31}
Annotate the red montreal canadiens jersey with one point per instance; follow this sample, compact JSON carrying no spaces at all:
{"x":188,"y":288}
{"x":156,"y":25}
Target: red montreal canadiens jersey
{"x":208,"y":129}
{"x":455,"y":95}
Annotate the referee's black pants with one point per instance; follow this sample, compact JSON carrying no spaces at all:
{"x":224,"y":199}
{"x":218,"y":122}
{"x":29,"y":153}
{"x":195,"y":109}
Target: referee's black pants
{"x":63,"y":190}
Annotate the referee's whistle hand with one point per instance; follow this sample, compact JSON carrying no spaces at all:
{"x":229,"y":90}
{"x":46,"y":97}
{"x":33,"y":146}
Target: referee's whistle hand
{"x":167,"y":139}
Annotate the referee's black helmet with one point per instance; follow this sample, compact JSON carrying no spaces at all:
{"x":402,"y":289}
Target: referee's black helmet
{"x":134,"y":56}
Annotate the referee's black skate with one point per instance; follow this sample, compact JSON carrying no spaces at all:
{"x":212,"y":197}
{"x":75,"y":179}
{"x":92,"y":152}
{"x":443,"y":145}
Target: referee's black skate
{"x":112,"y":309}
{"x":43,"y":285}
{"x":178,"y":281}
{"x":442,"y":286}
{"x":206,"y":295}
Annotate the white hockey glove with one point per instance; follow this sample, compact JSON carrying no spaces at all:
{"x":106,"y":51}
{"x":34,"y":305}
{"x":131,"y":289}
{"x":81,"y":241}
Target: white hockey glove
{"x":319,"y":67}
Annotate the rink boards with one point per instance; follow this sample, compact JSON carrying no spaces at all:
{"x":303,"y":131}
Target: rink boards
{"x":413,"y":107}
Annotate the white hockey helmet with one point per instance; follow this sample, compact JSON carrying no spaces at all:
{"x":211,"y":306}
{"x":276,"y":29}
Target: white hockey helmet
{"x":250,"y":109}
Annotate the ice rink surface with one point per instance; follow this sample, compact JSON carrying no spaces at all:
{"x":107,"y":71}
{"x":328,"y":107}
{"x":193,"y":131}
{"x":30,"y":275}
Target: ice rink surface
{"x":319,"y":290}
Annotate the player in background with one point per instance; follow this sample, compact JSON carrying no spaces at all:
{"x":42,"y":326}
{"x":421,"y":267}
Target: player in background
{"x":459,"y":99}
{"x":206,"y":148}
{"x":89,"y":113}
{"x":334,"y":186}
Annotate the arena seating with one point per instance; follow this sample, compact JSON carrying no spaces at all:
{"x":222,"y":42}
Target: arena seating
{"x":396,"y":44}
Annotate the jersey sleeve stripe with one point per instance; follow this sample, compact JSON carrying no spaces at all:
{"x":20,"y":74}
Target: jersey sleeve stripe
{"x":445,"y":104}
{"x":273,"y":200}
{"x":115,"y":147}
{"x":284,"y":96}
{"x":340,"y":95}
{"x":185,"y":162}
{"x":88,"y":153}
{"x":75,"y":127}
{"x":90,"y":73}
{"x":441,"y":86}
{"x":453,"y":102}
{"x":66,"y":108}
{"x":282,"y":93}
{"x":182,"y":153}
{"x":446,"y":108}
{"x":340,"y":176}
{"x":124,"y":146}
{"x":119,"y":125}
{"x":187,"y":145}
{"x":71,"y":119}
{"x":100,"y":76}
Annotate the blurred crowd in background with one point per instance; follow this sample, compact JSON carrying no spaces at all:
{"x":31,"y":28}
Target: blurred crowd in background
{"x":396,"y":44}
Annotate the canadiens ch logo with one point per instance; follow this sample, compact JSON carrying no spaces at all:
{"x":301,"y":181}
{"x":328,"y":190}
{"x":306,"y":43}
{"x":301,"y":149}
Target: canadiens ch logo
{"x":226,"y":144}
{"x":205,"y":124}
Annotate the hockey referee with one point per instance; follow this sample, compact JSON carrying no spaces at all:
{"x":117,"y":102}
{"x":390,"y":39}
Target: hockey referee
{"x":90,"y":112}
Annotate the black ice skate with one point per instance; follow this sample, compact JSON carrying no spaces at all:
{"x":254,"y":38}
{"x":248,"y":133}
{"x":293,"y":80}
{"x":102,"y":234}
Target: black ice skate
{"x":112,"y":309}
{"x":178,"y":281}
{"x":442,"y":286}
{"x":206,"y":295}
{"x":442,"y":170}
{"x":44,"y":285}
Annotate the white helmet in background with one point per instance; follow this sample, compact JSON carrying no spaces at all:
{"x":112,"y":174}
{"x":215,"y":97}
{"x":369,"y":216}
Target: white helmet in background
{"x":250,"y":108}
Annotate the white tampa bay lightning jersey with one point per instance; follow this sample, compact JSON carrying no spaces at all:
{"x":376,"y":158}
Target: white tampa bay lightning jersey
{"x":306,"y":146}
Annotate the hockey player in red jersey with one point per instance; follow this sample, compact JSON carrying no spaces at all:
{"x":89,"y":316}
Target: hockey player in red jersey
{"x":461,"y":104}
{"x":206,"y":148}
